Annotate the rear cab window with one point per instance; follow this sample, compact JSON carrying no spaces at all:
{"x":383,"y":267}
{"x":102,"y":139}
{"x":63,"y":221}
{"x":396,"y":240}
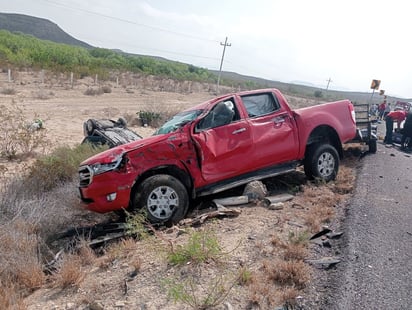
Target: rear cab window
{"x":260,"y":104}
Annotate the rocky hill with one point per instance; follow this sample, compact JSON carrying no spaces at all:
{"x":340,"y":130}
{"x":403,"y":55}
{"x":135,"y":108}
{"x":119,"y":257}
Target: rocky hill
{"x":39,"y":28}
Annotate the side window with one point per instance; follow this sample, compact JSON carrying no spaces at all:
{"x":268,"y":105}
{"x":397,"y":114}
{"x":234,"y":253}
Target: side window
{"x":222,"y":113}
{"x":260,"y":104}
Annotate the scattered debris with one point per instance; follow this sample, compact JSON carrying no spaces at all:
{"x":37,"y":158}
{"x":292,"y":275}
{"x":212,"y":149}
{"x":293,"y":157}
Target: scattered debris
{"x":200,"y":219}
{"x":295,"y":224}
{"x":324,"y":231}
{"x":278,"y":198}
{"x":334,"y":235}
{"x":232,"y":201}
{"x":325,"y":262}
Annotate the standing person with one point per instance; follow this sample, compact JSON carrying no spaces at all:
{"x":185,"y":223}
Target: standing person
{"x":407,"y":133}
{"x":387,"y":110}
{"x":381,"y":109}
{"x":398,"y":116}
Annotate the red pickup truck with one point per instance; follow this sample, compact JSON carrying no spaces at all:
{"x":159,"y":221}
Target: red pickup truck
{"x":225,"y":142}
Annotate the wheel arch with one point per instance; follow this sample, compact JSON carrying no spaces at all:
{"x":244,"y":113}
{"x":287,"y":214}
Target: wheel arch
{"x":172,"y":170}
{"x":325,"y":134}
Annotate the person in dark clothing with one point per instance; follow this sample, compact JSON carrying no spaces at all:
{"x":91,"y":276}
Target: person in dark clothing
{"x":407,"y":133}
{"x":398,"y":116}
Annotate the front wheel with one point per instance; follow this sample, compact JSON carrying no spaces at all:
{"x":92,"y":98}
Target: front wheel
{"x":321,"y":161}
{"x":163,"y":197}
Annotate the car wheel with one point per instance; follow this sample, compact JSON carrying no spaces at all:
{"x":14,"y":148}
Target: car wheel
{"x":372,"y":146}
{"x":321,"y":161}
{"x":121,"y":122}
{"x":91,"y":125}
{"x":163,"y":197}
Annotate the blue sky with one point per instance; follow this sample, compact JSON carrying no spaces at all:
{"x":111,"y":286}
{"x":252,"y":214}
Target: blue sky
{"x":351,"y":42}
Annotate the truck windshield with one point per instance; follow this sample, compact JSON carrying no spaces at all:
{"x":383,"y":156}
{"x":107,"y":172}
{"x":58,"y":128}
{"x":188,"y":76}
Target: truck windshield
{"x":178,"y":121}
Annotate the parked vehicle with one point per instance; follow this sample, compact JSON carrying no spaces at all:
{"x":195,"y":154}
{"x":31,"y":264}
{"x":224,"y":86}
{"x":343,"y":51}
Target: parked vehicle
{"x":403,"y":105}
{"x":108,"y":132}
{"x":222,"y":143}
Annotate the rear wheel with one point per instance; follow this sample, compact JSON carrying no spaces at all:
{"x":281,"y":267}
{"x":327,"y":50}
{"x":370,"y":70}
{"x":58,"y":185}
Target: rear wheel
{"x":321,"y":161}
{"x":372,"y":146}
{"x":163,"y":197}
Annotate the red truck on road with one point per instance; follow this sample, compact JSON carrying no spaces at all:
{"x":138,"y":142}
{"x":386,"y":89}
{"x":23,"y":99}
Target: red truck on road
{"x":225,"y":142}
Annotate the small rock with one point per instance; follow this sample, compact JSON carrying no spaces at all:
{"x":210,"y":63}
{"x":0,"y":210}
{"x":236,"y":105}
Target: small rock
{"x":96,"y":305}
{"x":120,"y":304}
{"x":276,"y":206}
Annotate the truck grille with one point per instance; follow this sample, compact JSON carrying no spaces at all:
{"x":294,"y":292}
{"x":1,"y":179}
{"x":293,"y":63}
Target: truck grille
{"x":85,"y":176}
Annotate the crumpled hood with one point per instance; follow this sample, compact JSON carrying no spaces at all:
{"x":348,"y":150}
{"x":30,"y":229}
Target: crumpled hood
{"x":112,"y":154}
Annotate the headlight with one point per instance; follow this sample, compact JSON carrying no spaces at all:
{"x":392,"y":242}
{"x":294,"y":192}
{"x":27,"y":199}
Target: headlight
{"x":99,"y":168}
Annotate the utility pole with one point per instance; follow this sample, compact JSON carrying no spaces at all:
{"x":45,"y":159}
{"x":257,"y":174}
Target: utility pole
{"x":329,"y":81}
{"x":221,"y":63}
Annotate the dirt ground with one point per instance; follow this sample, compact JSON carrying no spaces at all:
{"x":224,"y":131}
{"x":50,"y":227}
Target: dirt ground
{"x":247,"y":238}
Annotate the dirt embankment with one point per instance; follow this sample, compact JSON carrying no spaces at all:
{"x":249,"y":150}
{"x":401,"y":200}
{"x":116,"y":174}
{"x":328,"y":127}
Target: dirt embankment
{"x":255,"y":243}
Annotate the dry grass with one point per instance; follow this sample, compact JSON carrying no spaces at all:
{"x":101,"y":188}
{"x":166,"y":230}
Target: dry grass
{"x":10,"y":298}
{"x":70,"y":272}
{"x":287,"y":273}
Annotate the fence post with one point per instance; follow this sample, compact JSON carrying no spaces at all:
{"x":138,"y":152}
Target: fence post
{"x":9,"y":75}
{"x":71,"y":79}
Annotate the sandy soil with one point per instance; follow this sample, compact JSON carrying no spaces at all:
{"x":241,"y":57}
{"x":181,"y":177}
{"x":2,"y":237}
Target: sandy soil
{"x":248,"y":238}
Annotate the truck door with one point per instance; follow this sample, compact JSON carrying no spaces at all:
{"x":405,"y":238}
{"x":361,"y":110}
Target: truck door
{"x":273,"y":129}
{"x":224,"y":142}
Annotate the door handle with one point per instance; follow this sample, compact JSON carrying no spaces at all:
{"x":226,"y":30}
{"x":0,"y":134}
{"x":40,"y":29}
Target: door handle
{"x":238,"y":131}
{"x":279,"y":119}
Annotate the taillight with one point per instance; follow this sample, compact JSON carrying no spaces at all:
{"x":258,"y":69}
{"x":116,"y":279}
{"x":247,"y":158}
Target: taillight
{"x":352,"y":112}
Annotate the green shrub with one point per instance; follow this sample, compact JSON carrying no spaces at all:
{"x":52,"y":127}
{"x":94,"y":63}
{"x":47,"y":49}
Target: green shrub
{"x":318,"y":94}
{"x":202,"y":246}
{"x":61,"y":166}
{"x":149,"y":118}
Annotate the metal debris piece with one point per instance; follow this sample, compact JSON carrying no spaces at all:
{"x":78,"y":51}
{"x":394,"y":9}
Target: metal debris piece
{"x":232,"y":201}
{"x":200,"y":219}
{"x":334,"y":235}
{"x":278,"y":198}
{"x":325,"y":262}
{"x":324,"y":231}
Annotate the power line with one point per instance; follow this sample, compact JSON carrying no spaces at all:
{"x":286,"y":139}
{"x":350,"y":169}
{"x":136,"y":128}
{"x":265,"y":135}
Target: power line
{"x":130,"y":22}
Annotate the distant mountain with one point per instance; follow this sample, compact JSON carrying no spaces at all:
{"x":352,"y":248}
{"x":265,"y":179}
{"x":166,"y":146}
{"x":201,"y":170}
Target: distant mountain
{"x":39,"y":28}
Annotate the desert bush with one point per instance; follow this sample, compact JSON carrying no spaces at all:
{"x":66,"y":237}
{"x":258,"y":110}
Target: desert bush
{"x":197,"y":294}
{"x":70,"y":272}
{"x":93,"y":91}
{"x":106,"y":89}
{"x":18,"y":135}
{"x":43,"y":95}
{"x":50,"y":171}
{"x":293,"y":273}
{"x":202,"y":246}
{"x":10,"y":296}
{"x":149,"y":118}
{"x":19,"y":256}
{"x":318,"y":94}
{"x":8,"y":91}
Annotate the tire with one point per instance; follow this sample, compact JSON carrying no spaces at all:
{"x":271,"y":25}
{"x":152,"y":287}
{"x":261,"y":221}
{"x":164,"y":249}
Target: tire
{"x":321,"y":162}
{"x":164,"y":199}
{"x":121,"y":122}
{"x":372,"y":146}
{"x":90,"y":126}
